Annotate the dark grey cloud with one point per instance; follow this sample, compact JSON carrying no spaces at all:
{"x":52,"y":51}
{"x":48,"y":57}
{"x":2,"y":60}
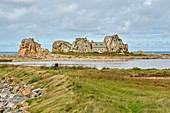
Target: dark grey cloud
{"x":134,"y":20}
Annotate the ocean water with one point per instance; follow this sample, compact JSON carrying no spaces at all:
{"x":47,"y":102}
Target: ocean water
{"x":156,"y":52}
{"x":144,"y":64}
{"x":8,"y":53}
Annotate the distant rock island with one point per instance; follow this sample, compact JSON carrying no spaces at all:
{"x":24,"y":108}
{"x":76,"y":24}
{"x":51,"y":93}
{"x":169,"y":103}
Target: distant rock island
{"x":83,"y":45}
{"x":29,"y":47}
{"x":113,"y":43}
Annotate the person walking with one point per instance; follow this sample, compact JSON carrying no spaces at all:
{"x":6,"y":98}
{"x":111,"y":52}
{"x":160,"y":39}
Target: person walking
{"x":56,"y":66}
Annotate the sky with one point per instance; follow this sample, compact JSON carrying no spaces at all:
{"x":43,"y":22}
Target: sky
{"x":142,"y":24}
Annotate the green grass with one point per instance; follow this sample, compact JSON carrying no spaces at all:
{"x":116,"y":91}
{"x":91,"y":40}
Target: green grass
{"x":89,"y":90}
{"x":99,"y":54}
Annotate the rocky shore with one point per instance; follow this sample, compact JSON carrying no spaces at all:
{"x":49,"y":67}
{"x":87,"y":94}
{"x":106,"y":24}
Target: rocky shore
{"x":60,"y":57}
{"x":14,"y":97}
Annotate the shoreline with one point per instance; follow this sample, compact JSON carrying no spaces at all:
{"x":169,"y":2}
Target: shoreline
{"x":59,"y":57}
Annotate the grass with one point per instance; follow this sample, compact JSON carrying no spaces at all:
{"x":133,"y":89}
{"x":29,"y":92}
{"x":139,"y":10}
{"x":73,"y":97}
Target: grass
{"x":99,"y":54}
{"x":87,"y":90}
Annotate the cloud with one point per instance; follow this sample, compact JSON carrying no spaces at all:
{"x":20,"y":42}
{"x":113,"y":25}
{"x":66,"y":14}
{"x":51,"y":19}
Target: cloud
{"x":17,"y":13}
{"x":133,"y":20}
{"x":67,"y":8}
{"x":148,"y":2}
{"x":24,"y":1}
{"x":125,"y":26}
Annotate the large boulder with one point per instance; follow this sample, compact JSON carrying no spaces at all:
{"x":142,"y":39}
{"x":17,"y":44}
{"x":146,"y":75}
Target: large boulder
{"x":115,"y":44}
{"x":140,"y":52}
{"x":61,"y":46}
{"x":81,"y":45}
{"x":29,"y":47}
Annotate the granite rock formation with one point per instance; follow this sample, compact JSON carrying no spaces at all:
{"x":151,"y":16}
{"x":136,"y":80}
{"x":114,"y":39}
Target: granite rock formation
{"x":29,"y":47}
{"x":81,"y":45}
{"x":115,"y":44}
{"x":140,"y":52}
{"x":61,"y":46}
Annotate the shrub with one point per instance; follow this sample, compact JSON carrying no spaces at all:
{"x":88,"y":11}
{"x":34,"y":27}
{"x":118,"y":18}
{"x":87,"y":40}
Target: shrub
{"x":136,"y":68}
{"x":32,"y":81}
{"x":10,"y":80}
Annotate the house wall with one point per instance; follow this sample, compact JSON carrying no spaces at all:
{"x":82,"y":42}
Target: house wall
{"x":99,"y":49}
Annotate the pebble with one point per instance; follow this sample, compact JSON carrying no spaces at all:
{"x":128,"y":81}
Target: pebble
{"x":13,"y":94}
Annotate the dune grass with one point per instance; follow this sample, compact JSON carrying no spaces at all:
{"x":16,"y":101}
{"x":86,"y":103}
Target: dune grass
{"x":87,"y":90}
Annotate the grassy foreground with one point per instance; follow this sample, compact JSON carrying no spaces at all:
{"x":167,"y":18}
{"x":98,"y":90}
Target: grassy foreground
{"x":86,"y":90}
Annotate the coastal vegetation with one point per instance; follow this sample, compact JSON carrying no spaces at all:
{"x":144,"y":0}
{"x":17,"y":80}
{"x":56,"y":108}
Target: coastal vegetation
{"x":79,"y":89}
{"x":100,"y":54}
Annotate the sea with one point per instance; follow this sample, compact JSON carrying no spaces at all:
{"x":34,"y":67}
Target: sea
{"x":144,"y":64}
{"x":156,"y":52}
{"x":141,"y":63}
{"x":8,"y":53}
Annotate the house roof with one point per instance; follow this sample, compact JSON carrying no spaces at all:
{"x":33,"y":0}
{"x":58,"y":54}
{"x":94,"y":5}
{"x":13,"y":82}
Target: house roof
{"x":99,"y":44}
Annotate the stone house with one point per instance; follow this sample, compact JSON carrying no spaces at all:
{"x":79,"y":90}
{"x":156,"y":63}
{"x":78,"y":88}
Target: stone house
{"x":99,"y":47}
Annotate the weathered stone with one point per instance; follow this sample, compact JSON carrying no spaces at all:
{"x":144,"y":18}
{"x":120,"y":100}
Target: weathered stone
{"x":12,"y":105}
{"x":3,"y":95}
{"x":29,"y":47}
{"x":26,"y":92}
{"x":2,"y":100}
{"x":24,"y":104}
{"x":6,"y":84}
{"x":45,"y":91}
{"x":14,"y":83}
{"x":1,"y":104}
{"x":81,"y":45}
{"x":140,"y":52}
{"x":115,"y":44}
{"x":61,"y":46}
{"x":24,"y":108}
{"x":9,"y":99}
{"x":7,"y":111}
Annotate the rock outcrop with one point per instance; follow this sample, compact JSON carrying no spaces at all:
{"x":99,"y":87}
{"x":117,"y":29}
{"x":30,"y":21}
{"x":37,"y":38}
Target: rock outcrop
{"x":81,"y":45}
{"x":61,"y":46}
{"x":115,"y":44}
{"x":29,"y":47}
{"x":140,"y":52}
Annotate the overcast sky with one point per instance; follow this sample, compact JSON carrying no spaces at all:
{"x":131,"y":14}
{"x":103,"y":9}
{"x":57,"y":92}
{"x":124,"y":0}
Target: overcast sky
{"x":143,"y":24}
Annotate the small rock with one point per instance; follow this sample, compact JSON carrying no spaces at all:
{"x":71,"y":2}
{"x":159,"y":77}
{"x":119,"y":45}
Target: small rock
{"x":12,"y":95}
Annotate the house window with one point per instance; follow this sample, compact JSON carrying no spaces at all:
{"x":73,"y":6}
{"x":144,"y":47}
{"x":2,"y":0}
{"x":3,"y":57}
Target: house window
{"x":99,"y":49}
{"x":95,"y":49}
{"x":102,"y":49}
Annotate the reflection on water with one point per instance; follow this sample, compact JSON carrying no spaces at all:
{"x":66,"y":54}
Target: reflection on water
{"x":144,"y":64}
